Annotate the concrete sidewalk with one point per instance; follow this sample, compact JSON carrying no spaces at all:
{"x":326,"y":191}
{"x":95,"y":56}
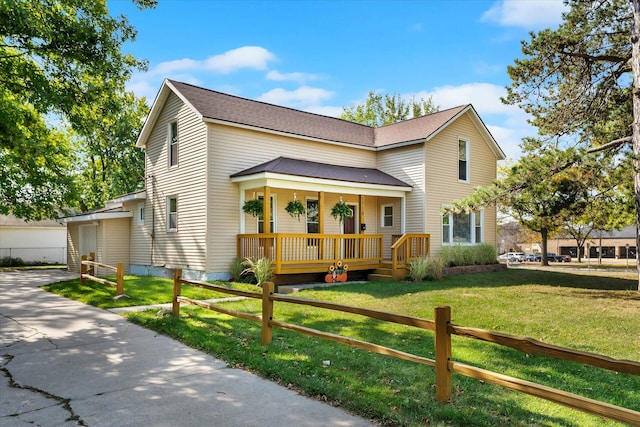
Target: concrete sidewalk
{"x":64,"y":363}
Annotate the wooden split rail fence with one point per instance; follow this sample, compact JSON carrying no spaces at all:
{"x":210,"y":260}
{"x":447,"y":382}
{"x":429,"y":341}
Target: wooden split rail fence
{"x":87,"y":271}
{"x":443,"y":330}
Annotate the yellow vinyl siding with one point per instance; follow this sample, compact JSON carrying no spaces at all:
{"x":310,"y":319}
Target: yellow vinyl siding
{"x":408,"y":165}
{"x":442,"y":185}
{"x":232,"y":150}
{"x":73,"y":247}
{"x":140,"y":243}
{"x":115,"y":235}
{"x":185,"y":248}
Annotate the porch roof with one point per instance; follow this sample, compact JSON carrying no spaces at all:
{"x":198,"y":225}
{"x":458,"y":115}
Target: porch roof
{"x":286,"y":172}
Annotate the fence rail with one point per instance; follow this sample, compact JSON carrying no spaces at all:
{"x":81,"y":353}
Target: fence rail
{"x":443,"y":329}
{"x":87,"y":271}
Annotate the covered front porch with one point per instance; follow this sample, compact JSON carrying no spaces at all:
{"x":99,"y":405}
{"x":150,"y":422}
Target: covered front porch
{"x":304,"y":253}
{"x":371,"y":237}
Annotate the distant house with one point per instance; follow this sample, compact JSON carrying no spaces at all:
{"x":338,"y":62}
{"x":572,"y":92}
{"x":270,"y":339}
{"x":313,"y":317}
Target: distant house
{"x":207,"y":153}
{"x":33,"y":241}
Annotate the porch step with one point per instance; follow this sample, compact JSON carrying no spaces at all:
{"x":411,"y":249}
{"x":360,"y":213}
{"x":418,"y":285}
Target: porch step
{"x":381,"y":274}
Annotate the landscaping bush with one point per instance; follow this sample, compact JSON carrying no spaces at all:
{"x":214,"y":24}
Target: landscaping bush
{"x":459,"y":255}
{"x":426,"y":269}
{"x":11,"y":262}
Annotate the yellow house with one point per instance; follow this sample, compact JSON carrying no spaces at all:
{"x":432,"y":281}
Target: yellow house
{"x":208,"y":153}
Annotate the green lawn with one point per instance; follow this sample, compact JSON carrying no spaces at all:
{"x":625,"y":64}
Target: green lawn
{"x":595,"y":313}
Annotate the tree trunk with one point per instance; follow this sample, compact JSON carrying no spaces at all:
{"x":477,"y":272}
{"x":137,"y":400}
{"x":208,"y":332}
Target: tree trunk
{"x":635,"y":65}
{"x":545,"y":233}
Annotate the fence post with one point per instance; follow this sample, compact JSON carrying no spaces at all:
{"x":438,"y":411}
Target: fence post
{"x":443,"y":354}
{"x":267,"y":312}
{"x":83,"y":269}
{"x":92,"y":268}
{"x":120,"y":279}
{"x":177,"y":287}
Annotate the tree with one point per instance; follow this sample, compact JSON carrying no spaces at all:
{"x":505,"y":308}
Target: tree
{"x":36,"y":174}
{"x":540,"y":205}
{"x":380,"y":110}
{"x":581,"y":82}
{"x":56,"y":58}
{"x":111,"y":163}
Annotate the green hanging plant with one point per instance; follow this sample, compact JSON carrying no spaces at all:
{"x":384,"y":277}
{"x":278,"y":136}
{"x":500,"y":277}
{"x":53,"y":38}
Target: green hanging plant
{"x":295,"y":208}
{"x":253,"y":207}
{"x":341,"y":211}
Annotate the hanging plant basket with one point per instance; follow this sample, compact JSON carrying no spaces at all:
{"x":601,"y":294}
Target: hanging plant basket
{"x":295,"y":208}
{"x":341,"y":211}
{"x":253,"y":207}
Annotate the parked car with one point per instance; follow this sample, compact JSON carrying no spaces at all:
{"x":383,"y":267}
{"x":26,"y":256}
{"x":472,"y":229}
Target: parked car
{"x":533,"y":258}
{"x":512,"y":257}
{"x":551,"y":257}
{"x":516,"y":257}
{"x":564,"y":258}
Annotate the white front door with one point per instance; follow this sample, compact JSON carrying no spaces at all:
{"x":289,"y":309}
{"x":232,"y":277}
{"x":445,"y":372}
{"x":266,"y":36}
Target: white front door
{"x":88,"y":239}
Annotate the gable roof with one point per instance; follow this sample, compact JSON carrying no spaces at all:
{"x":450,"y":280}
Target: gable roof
{"x":305,"y":168}
{"x":218,"y":107}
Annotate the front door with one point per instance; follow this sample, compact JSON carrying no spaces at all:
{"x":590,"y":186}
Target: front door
{"x":349,"y":227}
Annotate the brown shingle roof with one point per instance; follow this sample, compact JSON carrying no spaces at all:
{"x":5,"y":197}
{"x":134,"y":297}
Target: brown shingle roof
{"x":415,"y":129}
{"x":229,"y":108}
{"x":233,"y":109}
{"x":295,"y":167}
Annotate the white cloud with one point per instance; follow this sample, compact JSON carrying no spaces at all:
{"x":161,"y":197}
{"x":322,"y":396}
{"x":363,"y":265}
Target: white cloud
{"x":527,"y":14}
{"x":254,"y":57}
{"x":304,"y":97}
{"x":295,"y":77}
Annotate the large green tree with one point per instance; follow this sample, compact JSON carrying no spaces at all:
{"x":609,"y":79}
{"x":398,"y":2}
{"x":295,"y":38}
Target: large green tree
{"x":580,"y":82}
{"x":380,"y":110}
{"x":110,"y":163}
{"x":57,"y":57}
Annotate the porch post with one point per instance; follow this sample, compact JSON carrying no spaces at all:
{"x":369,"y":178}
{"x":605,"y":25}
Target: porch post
{"x":266,"y":223}
{"x":361,"y":221}
{"x":321,"y":212}
{"x":403,"y":215}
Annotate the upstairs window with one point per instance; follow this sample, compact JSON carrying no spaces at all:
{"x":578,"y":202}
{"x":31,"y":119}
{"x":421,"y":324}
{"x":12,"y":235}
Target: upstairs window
{"x":463,"y":160}
{"x":173,"y":143}
{"x":387,"y":216}
{"x":172,"y":213}
{"x":312,"y":216}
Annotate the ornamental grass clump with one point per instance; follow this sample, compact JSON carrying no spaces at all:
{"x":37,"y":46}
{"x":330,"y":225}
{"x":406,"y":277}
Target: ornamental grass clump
{"x":426,"y":269}
{"x":261,"y":269}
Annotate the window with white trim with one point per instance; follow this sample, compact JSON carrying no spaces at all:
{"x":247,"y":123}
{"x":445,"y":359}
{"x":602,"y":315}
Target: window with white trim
{"x":172,"y":213}
{"x":387,"y":215}
{"x":140,"y":214}
{"x":463,"y":160}
{"x":463,"y":228}
{"x":272,"y":220}
{"x":173,"y":143}
{"x":312,"y":216}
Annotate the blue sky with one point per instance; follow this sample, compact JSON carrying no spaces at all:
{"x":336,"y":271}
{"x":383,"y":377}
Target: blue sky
{"x":320,"y":56}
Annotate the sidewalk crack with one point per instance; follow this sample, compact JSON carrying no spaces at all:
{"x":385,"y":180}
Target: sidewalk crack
{"x":63,"y":402}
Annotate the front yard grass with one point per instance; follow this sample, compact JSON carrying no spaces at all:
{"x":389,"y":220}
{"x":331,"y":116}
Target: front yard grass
{"x":591,"y":313}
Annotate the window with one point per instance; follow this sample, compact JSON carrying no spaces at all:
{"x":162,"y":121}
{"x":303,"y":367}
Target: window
{"x":272,"y":227}
{"x":172,"y":213}
{"x":463,"y":160}
{"x":312,"y":216}
{"x":140,"y":215}
{"x":462,"y":228}
{"x":387,"y":216}
{"x":173,"y":143}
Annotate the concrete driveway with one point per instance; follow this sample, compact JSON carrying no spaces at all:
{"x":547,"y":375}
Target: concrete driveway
{"x":63,"y":363}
